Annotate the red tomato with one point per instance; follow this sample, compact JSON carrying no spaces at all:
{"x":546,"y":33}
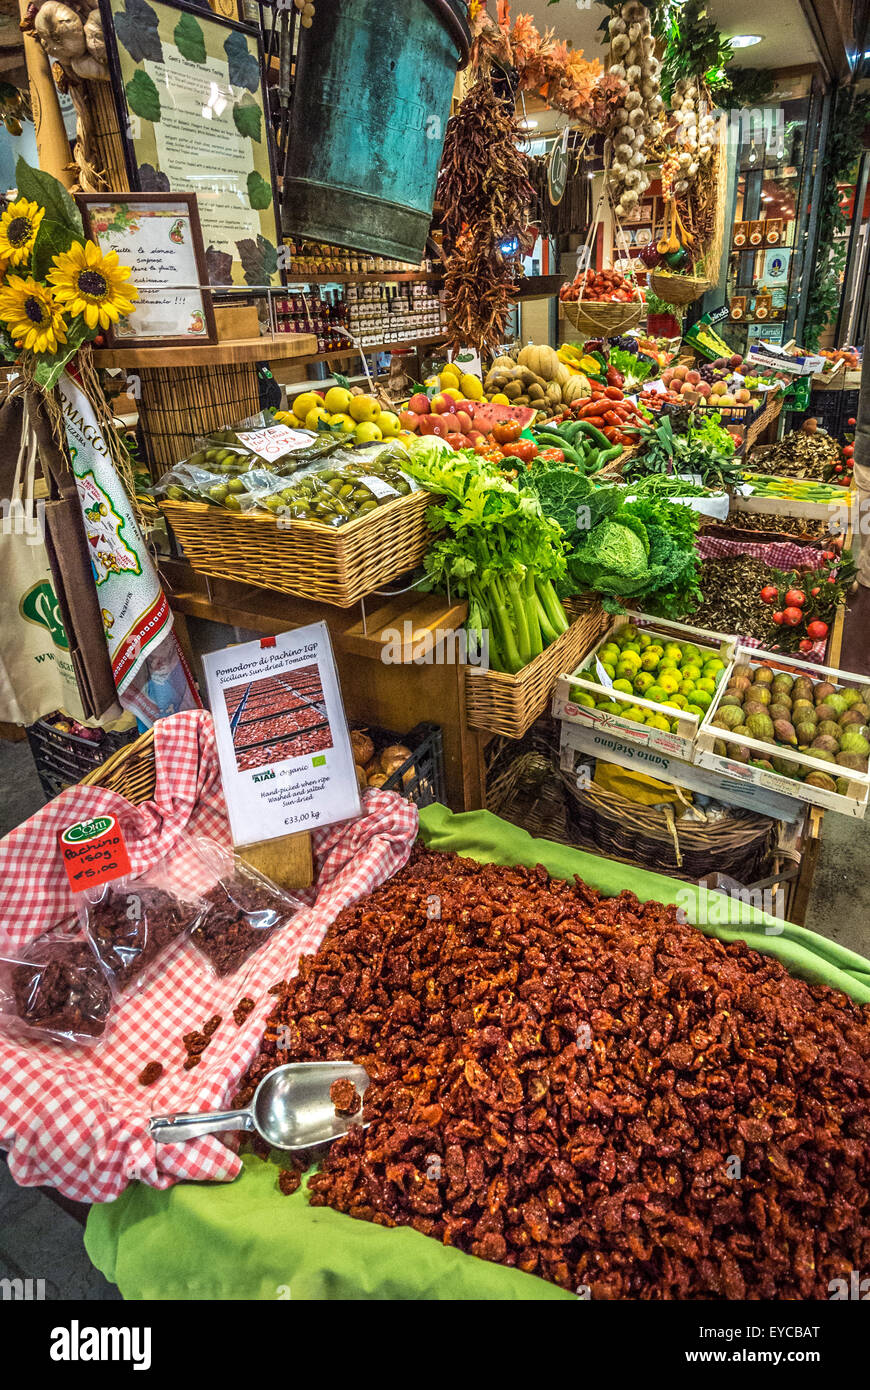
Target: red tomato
{"x":506,"y":431}
{"x":849,"y":450}
{"x":817,"y":630}
{"x":779,"y":619}
{"x":768,"y":594}
{"x":791,"y":616}
{"x":522,"y":449}
{"x":795,"y":598}
{"x":806,"y":645}
{"x":814,"y":592}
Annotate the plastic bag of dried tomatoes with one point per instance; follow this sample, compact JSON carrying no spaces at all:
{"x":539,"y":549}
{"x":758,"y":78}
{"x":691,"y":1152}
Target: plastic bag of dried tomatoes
{"x":241,"y":909}
{"x":55,"y":988}
{"x":134,"y":922}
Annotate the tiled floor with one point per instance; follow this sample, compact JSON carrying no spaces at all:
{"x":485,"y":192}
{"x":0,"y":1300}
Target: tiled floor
{"x":40,"y":1241}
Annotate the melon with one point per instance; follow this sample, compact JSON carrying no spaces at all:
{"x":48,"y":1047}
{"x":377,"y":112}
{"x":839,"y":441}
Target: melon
{"x":486,"y":417}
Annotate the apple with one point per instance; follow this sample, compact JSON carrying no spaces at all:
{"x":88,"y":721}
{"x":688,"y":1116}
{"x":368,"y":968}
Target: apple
{"x":442,"y":405}
{"x":431,"y":424}
{"x":409,"y":421}
{"x":464,"y":421}
{"x":419,"y":404}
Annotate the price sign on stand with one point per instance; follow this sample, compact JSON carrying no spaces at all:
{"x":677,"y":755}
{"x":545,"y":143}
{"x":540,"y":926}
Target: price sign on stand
{"x":284,"y":747}
{"x":93,"y":851}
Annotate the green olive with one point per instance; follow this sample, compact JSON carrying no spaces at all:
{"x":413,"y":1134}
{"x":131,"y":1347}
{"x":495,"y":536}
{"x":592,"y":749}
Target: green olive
{"x":219,"y":492}
{"x":236,"y":485}
{"x":233,"y":504}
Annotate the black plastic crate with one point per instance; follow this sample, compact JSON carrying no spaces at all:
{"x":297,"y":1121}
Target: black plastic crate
{"x":62,"y":759}
{"x":420,"y":778}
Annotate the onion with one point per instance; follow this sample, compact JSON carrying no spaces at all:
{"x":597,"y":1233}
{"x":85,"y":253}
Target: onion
{"x":362,"y":747}
{"x":377,"y":779}
{"x":394,"y":756}
{"x":361,"y":779}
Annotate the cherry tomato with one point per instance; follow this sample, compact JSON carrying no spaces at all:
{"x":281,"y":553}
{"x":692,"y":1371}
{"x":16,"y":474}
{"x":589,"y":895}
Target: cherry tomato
{"x":506,"y":431}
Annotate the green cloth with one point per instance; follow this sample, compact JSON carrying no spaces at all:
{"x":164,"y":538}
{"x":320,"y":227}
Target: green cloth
{"x":245,"y":1240}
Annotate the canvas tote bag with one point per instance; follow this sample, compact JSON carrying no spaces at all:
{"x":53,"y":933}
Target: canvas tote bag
{"x":37,"y":673}
{"x":69,"y":556}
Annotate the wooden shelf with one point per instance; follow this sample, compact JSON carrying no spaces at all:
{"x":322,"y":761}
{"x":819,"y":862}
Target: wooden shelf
{"x":340,"y":277}
{"x":274,"y":348}
{"x":375,"y":347}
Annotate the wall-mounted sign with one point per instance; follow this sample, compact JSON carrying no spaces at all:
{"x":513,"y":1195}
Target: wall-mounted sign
{"x":189,"y":89}
{"x":159,"y":236}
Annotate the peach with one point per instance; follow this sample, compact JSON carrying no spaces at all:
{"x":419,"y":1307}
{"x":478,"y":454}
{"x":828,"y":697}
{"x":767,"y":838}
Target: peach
{"x":419,"y":404}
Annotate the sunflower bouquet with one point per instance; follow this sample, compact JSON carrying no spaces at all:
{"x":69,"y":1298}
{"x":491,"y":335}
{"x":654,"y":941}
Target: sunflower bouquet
{"x":58,"y":290}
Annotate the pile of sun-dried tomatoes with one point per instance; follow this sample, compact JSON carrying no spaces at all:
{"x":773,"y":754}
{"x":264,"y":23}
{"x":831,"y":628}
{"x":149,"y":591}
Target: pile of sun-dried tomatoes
{"x":586,"y":1089}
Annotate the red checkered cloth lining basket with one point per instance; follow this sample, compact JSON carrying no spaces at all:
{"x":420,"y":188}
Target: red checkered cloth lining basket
{"x":76,"y":1118}
{"x":780,"y":555}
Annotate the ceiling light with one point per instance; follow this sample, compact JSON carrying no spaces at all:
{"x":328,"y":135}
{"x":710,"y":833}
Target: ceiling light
{"x":528,"y":124}
{"x":745,"y":40}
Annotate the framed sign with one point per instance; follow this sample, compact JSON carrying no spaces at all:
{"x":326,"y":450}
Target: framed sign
{"x":194,"y":119}
{"x":159,"y":236}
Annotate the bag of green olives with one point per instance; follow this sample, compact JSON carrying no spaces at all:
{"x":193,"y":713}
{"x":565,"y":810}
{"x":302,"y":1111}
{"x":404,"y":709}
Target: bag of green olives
{"x":238,"y":492}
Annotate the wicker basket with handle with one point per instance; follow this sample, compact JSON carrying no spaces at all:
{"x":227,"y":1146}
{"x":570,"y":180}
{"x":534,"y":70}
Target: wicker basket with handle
{"x":313,"y":561}
{"x":602,"y":319}
{"x":131,"y":771}
{"x":508,"y":704}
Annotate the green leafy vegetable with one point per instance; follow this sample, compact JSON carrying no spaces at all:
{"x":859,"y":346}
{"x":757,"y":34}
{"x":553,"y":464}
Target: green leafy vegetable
{"x":498,"y":551}
{"x":635,"y":368}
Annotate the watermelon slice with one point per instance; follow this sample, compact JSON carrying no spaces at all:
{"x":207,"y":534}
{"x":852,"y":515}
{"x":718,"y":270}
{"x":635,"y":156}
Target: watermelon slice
{"x":487,"y":416}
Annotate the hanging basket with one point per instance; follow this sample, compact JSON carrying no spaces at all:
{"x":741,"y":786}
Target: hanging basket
{"x":679,"y":289}
{"x":602,"y":320}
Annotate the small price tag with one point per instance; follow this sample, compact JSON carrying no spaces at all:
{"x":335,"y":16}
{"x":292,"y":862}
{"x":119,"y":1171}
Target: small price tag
{"x":379,"y":487}
{"x":603,"y":678}
{"x":93,"y":851}
{"x":274,"y":442}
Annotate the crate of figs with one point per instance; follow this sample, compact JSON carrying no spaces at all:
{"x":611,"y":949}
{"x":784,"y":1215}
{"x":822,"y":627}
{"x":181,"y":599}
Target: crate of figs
{"x":648,"y":681}
{"x":799,"y":729}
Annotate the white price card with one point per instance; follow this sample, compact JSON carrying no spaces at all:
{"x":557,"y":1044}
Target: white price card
{"x":282,"y":736}
{"x":275,"y":441}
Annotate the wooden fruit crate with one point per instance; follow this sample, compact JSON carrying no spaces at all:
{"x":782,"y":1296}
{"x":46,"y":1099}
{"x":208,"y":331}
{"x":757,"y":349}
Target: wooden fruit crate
{"x":328,"y":565}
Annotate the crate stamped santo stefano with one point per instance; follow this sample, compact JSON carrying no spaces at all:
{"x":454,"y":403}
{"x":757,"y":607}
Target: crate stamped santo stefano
{"x":649,"y":681}
{"x":807,"y":738}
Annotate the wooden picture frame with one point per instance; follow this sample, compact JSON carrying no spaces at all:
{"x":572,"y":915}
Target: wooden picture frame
{"x":213,"y":137}
{"x":193,"y":299}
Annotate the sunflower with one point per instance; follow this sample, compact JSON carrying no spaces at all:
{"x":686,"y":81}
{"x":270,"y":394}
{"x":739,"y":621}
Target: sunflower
{"x":32,"y":315}
{"x":18,"y":227}
{"x":87,"y":282}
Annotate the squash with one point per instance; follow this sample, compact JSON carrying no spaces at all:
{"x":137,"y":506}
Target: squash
{"x":542,"y":360}
{"x":563,"y":375}
{"x":576,"y":389}
{"x":505,"y":362}
{"x":553,"y":393}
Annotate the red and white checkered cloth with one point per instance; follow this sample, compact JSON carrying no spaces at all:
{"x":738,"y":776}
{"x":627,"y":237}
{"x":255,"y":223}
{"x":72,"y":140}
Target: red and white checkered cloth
{"x":780,"y":555}
{"x":75,"y":1118}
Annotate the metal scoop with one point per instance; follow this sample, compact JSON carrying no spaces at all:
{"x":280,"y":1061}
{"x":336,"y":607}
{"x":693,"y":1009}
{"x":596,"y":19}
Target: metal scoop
{"x":291,"y":1109}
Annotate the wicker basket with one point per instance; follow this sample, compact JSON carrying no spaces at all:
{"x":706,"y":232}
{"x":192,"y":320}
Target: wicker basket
{"x":131,"y":771}
{"x":771,"y":412}
{"x":509,"y":704}
{"x":679,"y":289}
{"x":741,"y":845}
{"x":602,"y":320}
{"x":307,"y":559}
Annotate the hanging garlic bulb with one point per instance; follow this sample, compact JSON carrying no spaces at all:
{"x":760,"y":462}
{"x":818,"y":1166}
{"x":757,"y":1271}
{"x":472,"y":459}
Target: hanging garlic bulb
{"x":633,"y":60}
